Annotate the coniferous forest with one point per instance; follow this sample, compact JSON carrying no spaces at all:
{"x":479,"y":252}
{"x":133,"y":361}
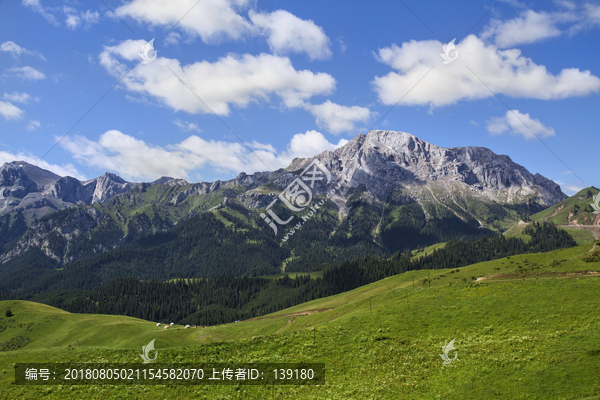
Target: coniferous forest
{"x":210,"y":301}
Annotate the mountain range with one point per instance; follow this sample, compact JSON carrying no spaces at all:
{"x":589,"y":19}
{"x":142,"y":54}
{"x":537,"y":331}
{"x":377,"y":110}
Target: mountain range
{"x":378,"y":194}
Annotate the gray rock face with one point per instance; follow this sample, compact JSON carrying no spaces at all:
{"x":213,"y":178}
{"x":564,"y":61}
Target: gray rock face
{"x":69,"y":190}
{"x":106,"y":186}
{"x":15,"y":182}
{"x":382,"y":160}
{"x":257,"y":200}
{"x":167,"y":181}
{"x":28,"y":188}
{"x":41,"y":235}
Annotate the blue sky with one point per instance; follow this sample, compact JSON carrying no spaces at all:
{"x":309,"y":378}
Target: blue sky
{"x":291,"y":79}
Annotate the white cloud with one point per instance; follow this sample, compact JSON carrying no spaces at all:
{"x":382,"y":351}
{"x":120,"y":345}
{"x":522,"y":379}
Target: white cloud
{"x":519,"y":124}
{"x":62,"y":170}
{"x":211,"y":20}
{"x":75,"y":18}
{"x":187,"y":126}
{"x":529,"y":27}
{"x":36,"y":6}
{"x":337,"y":118}
{"x":28,"y":73}
{"x":532,"y":26}
{"x":217,"y":20}
{"x":20,"y":97}
{"x":135,"y":159}
{"x":33,"y":125}
{"x":310,"y":144}
{"x":231,"y":80}
{"x":15,"y":50}
{"x":9,"y":111}
{"x":287,"y":33}
{"x":473,"y":122}
{"x":504,"y":71}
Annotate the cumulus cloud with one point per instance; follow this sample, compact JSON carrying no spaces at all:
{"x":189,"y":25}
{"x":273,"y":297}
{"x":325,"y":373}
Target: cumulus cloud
{"x":20,"y":97}
{"x":287,"y":33}
{"x":519,"y":124}
{"x":231,"y":80}
{"x":28,"y":73}
{"x":9,"y":111}
{"x":310,"y":144}
{"x":504,"y":71}
{"x":62,"y":170}
{"x":218,"y":20}
{"x":33,"y":125}
{"x":135,"y":159}
{"x":336,"y":118}
{"x":76,"y":18}
{"x":37,"y":7}
{"x":211,"y":20}
{"x":15,"y":50}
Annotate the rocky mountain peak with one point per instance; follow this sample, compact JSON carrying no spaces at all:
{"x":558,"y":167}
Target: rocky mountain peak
{"x":106,"y":186}
{"x":386,"y":160}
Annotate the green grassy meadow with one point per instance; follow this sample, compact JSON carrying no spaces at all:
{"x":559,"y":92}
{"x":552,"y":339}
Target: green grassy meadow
{"x":525,"y":327}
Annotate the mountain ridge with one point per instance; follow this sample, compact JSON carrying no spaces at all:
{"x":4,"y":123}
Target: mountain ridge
{"x":396,"y":193}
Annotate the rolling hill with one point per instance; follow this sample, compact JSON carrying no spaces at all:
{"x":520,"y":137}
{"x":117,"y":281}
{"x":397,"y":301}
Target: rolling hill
{"x":524,"y":327}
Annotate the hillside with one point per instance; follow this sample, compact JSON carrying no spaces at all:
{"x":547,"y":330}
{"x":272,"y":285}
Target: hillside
{"x":574,"y":214}
{"x":204,"y":301}
{"x":575,"y":210}
{"x":524,"y":327}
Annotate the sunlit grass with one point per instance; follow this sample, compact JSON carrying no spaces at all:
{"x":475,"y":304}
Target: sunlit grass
{"x":532,"y":331}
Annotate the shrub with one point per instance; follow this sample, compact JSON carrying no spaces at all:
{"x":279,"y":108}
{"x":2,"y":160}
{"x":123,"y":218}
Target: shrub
{"x":9,"y":313}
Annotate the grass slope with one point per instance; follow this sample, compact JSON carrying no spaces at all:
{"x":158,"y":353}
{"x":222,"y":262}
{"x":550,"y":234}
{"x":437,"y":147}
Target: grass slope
{"x":559,"y":213}
{"x":525,"y":327}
